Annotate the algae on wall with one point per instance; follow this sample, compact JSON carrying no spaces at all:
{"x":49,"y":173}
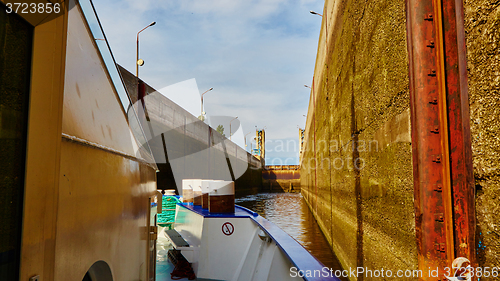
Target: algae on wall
{"x":482,"y":27}
{"x":359,"y":112}
{"x":356,"y":170}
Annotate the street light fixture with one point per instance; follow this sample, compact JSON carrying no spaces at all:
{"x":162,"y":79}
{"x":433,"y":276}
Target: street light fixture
{"x":246,"y":139}
{"x":312,"y":91}
{"x":137,"y":61}
{"x":230,"y":134}
{"x":202,"y":112}
{"x":314,"y":13}
{"x":307,"y":87}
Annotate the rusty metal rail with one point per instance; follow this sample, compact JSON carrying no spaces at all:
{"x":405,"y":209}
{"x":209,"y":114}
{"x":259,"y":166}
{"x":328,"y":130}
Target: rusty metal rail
{"x":462,"y":178}
{"x":444,"y":189}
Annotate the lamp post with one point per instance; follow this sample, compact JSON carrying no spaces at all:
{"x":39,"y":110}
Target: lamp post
{"x":314,"y":98}
{"x":202,"y":112}
{"x":230,"y":134}
{"x":253,"y":139}
{"x":137,"y":62}
{"x":246,"y":139}
{"x":326,"y":29}
{"x":314,"y":13}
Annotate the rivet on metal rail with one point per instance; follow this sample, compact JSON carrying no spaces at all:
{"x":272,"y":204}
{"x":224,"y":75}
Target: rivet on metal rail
{"x":436,"y":158}
{"x":439,"y":217}
{"x":440,"y":247}
{"x":429,"y":17}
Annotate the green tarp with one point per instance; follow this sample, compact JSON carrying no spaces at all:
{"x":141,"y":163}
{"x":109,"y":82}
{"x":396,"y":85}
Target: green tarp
{"x":167,"y":216}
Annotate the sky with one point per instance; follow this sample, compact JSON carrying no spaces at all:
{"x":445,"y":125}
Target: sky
{"x":257,"y":55}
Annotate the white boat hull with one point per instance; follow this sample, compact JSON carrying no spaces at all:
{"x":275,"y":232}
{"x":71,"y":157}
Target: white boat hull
{"x":242,"y":246}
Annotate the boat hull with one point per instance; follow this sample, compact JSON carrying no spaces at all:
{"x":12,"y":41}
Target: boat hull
{"x":240,"y":246}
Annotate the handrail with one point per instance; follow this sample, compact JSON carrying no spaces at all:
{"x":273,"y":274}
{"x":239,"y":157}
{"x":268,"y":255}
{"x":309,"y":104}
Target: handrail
{"x":296,"y":253}
{"x":247,"y":210}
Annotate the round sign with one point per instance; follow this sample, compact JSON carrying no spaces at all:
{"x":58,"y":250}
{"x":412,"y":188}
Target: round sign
{"x":227,"y":228}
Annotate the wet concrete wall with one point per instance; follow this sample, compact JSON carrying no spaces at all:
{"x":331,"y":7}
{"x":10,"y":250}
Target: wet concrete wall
{"x":186,"y":148}
{"x":482,"y":27}
{"x":356,"y":170}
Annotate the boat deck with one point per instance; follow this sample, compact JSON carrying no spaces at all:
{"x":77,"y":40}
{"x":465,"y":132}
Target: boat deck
{"x":164,"y":267}
{"x":163,"y":270}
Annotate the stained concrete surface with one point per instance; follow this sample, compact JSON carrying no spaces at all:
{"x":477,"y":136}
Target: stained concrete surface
{"x":482,"y":27}
{"x":356,"y":171}
{"x":360,"y":97}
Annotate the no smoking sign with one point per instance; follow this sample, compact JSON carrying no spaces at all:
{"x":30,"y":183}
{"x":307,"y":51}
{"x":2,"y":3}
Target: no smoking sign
{"x":227,"y":228}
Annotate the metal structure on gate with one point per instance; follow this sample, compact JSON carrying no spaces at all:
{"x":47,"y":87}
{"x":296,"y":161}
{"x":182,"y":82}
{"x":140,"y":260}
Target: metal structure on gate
{"x":301,"y":141}
{"x":260,"y":151}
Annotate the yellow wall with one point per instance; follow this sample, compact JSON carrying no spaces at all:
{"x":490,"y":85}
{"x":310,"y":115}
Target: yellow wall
{"x":86,"y":192}
{"x":360,"y":96}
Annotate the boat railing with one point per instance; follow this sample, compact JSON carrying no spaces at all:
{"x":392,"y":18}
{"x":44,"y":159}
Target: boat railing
{"x":247,"y":210}
{"x":299,"y":257}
